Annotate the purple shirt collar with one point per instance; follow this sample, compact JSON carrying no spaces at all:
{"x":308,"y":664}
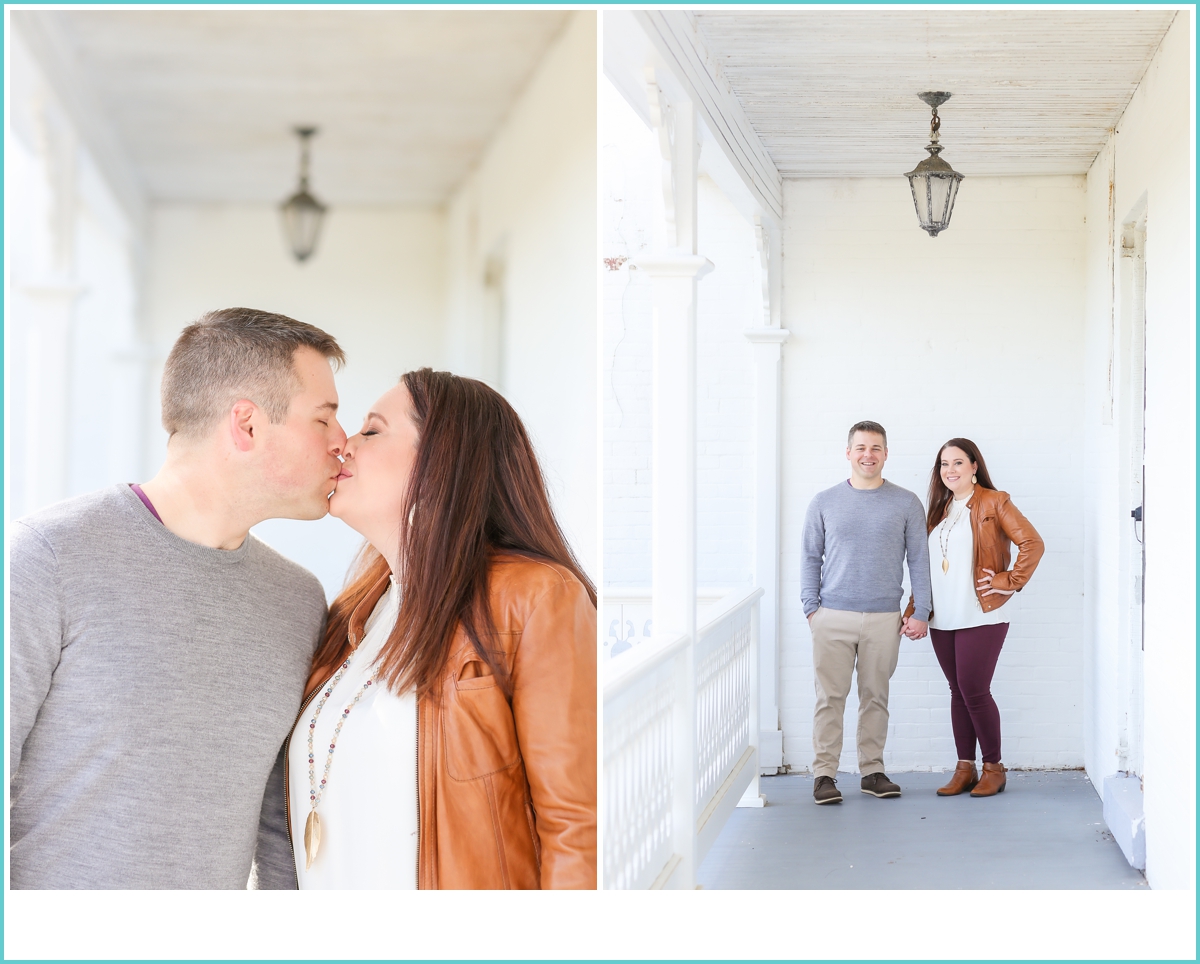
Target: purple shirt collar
{"x":137,"y":490}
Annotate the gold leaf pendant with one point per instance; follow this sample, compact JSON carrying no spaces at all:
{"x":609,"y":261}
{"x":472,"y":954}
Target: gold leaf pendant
{"x":312,"y":839}
{"x":945,"y":564}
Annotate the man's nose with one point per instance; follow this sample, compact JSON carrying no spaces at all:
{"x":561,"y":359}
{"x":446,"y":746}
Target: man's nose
{"x":339,"y":439}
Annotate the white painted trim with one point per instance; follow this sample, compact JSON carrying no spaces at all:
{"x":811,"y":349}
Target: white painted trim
{"x":712,"y":820}
{"x":629,"y":667}
{"x":664,"y":878}
{"x":675,"y":37}
{"x":674,"y":264}
{"x":767,"y":336}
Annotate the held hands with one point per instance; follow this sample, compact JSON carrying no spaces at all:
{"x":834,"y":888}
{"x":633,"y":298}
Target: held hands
{"x":985,"y":582}
{"x":913,"y":628}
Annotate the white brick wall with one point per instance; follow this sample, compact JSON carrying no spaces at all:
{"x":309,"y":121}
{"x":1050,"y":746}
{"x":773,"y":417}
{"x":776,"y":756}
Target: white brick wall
{"x":632,"y":214}
{"x":979,"y":333}
{"x":725,"y":379}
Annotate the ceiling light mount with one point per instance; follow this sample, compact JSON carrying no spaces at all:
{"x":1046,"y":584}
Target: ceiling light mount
{"x":934,"y":182}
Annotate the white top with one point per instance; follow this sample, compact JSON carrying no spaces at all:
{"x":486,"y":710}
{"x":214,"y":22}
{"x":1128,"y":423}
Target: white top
{"x":955,"y":605}
{"x":368,"y":810}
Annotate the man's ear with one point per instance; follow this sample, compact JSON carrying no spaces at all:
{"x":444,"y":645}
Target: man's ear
{"x":244,"y":418}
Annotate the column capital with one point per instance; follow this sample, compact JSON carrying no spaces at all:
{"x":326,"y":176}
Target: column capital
{"x":49,"y":287}
{"x":674,"y":263}
{"x":767,"y":336}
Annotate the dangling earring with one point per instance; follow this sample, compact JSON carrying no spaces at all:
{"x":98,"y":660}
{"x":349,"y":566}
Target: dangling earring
{"x":974,"y":480}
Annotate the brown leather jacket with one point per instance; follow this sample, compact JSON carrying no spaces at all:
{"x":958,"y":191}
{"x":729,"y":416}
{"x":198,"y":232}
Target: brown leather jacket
{"x":995,"y":522}
{"x":507,"y":788}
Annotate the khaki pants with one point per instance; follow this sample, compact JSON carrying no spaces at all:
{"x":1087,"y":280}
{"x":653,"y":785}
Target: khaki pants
{"x":840,"y":639}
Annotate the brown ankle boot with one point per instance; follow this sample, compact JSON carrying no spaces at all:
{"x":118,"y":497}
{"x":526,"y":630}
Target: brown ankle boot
{"x":965,"y":776}
{"x":992,"y":781}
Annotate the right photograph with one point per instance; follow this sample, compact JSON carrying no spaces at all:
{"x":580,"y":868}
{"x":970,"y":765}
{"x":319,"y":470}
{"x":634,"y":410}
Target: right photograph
{"x":898,"y":352}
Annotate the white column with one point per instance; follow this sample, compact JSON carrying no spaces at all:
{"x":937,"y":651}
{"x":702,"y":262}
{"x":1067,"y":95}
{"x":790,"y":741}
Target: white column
{"x":673,"y":274}
{"x":45,"y":313}
{"x":678,"y":130}
{"x":767,"y":349}
{"x":673,"y":461}
{"x":673,"y":507}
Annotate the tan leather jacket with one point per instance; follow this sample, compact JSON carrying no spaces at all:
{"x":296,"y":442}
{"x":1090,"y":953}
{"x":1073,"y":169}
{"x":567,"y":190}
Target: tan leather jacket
{"x":507,"y":790}
{"x":995,"y":522}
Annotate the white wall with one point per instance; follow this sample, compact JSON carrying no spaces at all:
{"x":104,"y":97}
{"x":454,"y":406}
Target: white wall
{"x":530,"y":206}
{"x":975,"y":333}
{"x":376,"y":283}
{"x":1153,"y":163}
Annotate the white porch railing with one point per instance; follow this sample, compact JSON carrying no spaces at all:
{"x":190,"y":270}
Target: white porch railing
{"x":680,"y":746}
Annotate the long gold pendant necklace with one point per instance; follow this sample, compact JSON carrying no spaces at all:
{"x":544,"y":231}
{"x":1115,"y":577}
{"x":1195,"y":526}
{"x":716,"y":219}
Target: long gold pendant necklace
{"x":943,"y":541}
{"x":312,"y":826}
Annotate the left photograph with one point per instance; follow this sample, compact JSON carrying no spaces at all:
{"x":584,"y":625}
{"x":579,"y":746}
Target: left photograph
{"x":301,"y":455}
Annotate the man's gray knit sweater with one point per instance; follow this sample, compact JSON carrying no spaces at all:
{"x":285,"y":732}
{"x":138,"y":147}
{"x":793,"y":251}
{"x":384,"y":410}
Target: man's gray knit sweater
{"x":152,"y":683}
{"x":853,"y":550}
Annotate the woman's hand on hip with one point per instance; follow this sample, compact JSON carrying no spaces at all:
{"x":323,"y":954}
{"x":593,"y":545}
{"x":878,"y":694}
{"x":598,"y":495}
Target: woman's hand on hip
{"x":985,"y":582}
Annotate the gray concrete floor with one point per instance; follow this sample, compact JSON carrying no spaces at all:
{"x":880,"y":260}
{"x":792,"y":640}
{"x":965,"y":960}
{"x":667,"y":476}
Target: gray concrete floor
{"x":1046,"y":831}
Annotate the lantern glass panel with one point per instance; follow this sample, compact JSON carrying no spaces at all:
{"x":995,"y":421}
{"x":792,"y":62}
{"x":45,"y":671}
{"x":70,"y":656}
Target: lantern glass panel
{"x":302,"y":217}
{"x":954,"y":182}
{"x":920,"y":192}
{"x":939,"y":193}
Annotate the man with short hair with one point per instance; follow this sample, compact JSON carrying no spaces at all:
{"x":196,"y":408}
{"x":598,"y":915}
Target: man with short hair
{"x":158,"y":650}
{"x":856,"y":538}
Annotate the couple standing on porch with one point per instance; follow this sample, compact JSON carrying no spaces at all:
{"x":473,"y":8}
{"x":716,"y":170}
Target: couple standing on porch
{"x":857,"y":536}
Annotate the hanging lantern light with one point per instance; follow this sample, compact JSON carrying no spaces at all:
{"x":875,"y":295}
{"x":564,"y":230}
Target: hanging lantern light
{"x":302,"y":213}
{"x":934,"y":183}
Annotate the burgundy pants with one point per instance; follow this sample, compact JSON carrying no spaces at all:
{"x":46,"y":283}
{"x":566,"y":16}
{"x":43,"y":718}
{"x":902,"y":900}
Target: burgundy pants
{"x":968,"y":658}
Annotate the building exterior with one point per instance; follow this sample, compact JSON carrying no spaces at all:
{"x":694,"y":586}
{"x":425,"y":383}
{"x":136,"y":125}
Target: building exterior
{"x":1030,"y":326}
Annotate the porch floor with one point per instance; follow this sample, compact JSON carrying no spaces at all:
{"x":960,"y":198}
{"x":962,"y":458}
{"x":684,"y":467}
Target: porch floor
{"x":1045,"y":832}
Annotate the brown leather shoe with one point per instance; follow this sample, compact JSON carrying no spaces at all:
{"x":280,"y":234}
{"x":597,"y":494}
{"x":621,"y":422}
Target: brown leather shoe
{"x":965,"y":777}
{"x":992,"y":781}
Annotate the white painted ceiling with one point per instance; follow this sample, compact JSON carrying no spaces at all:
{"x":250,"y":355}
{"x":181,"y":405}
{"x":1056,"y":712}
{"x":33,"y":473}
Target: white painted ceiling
{"x":203,"y":101}
{"x":834,"y":91}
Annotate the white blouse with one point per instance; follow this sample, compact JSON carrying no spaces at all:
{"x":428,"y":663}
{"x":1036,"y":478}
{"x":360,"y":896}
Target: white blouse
{"x":955,"y":605}
{"x":368,"y":810}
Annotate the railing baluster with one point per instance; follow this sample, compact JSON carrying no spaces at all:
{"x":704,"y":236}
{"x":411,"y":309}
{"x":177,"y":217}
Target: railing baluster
{"x":680,"y":747}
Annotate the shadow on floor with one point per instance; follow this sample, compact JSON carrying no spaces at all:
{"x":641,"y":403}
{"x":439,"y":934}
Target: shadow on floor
{"x":1045,"y":832}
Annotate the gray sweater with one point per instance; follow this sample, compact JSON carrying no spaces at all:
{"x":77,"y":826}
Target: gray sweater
{"x":853,"y":550}
{"x":152,"y":684}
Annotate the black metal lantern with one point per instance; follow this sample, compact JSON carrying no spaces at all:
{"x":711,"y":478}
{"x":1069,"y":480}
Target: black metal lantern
{"x":302,"y":213}
{"x":934,"y":183}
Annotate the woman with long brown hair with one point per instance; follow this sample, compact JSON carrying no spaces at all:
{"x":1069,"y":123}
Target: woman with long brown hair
{"x":448,"y":734}
{"x":970,"y":526}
